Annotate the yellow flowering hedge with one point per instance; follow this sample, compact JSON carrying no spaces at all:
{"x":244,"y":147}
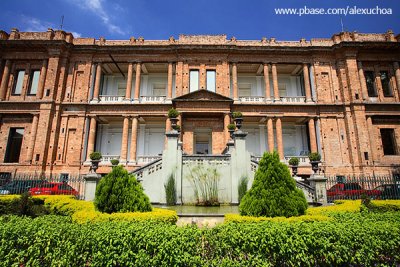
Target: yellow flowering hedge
{"x":314,"y":214}
{"x":84,"y":211}
{"x":4,"y":198}
{"x":303,"y":218}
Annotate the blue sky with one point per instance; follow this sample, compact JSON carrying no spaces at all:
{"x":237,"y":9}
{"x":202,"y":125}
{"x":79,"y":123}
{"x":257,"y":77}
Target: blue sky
{"x":159,"y":19}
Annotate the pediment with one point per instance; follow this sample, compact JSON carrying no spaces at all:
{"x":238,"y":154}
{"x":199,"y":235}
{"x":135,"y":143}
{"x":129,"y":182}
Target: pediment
{"x":202,"y":95}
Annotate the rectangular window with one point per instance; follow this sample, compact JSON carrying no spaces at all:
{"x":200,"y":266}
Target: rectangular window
{"x":385,"y":81}
{"x":388,"y":142}
{"x":33,"y":82}
{"x":282,"y":89}
{"x":211,"y":80}
{"x":19,"y":82}
{"x":121,"y":87}
{"x":14,"y":145}
{"x":244,"y":89}
{"x":194,"y":80}
{"x":370,"y":81}
{"x":159,"y":89}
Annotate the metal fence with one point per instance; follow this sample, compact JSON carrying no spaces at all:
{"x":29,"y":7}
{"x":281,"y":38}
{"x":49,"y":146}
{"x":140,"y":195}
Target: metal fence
{"x":354,"y":187}
{"x":42,"y":184}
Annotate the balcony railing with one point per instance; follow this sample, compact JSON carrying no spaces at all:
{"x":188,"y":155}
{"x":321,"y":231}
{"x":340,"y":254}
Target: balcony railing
{"x":293,"y":99}
{"x":111,"y":98}
{"x":251,"y":99}
{"x":303,"y":160}
{"x":106,"y":159}
{"x":152,"y":99}
{"x":147,"y":159}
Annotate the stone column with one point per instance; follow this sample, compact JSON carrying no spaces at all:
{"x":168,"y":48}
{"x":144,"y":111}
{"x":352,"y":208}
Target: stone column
{"x":134,"y":140}
{"x":129,"y":82}
{"x":234,"y":81}
{"x":266,"y":81}
{"x":137,"y":81}
{"x":97,"y":83}
{"x":170,"y":76}
{"x":227,"y":120}
{"x":31,"y":147}
{"x":307,"y":86}
{"x":275,"y":83}
{"x":124,"y":141}
{"x":279,"y":138}
{"x":270,"y":128}
{"x":363,"y":82}
{"x":4,"y":80}
{"x":92,"y":137}
{"x":313,"y":139}
{"x":397,"y":74}
{"x":42,"y":79}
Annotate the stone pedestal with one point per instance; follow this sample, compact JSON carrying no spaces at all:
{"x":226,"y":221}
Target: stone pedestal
{"x":91,"y":181}
{"x":240,"y":163}
{"x":318,"y":182}
{"x":172,"y":164}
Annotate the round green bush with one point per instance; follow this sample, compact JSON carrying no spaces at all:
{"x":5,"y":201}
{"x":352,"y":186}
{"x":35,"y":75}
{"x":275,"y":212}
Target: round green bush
{"x":173,"y":113}
{"x":119,"y":191}
{"x":294,"y":161}
{"x":274,"y":192}
{"x":95,"y":155}
{"x":231,"y":126}
{"x":314,"y":156}
{"x":114,"y":162}
{"x":237,"y":114}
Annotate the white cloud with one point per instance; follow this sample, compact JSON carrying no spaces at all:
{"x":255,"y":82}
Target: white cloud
{"x":97,"y":8}
{"x":31,"y":24}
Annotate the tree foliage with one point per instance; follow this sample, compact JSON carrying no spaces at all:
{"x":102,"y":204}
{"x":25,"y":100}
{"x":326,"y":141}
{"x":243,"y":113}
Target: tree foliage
{"x":273,"y":192}
{"x":119,"y":191}
{"x":170,"y":190}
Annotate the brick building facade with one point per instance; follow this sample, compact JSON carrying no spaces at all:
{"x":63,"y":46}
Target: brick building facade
{"x":62,"y":98}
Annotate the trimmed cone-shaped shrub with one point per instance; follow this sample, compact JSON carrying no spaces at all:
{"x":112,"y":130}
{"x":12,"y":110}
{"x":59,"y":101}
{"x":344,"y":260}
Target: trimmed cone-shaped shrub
{"x":274,"y":192}
{"x":119,"y":191}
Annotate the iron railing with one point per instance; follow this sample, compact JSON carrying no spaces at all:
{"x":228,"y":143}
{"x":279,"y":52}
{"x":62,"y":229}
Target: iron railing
{"x":61,"y":184}
{"x":354,"y":187}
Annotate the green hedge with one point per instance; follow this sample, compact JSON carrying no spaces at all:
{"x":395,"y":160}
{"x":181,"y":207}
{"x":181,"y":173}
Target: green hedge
{"x":361,"y":239}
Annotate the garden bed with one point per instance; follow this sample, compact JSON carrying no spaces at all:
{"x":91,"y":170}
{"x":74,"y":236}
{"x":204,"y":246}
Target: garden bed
{"x":347,"y":237}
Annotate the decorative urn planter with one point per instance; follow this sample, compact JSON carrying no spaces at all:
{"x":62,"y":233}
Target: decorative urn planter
{"x":315,"y":159}
{"x":238,"y":118}
{"x":231,"y":129}
{"x":95,"y":158}
{"x":294,"y":170}
{"x":314,"y":166}
{"x":294,"y":163}
{"x":95,"y":165}
{"x":173,"y":118}
{"x":174,"y":123}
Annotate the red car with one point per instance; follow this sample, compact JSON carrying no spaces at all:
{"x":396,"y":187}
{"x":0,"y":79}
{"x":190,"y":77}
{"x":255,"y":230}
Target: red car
{"x":350,"y":191}
{"x":53,"y":189}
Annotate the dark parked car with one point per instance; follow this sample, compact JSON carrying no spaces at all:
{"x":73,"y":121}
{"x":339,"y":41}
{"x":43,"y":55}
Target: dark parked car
{"x":350,"y":191}
{"x":19,"y":186}
{"x":389,"y":191}
{"x":54,"y":189}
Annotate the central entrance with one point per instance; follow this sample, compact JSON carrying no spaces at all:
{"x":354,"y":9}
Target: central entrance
{"x":202,"y":141}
